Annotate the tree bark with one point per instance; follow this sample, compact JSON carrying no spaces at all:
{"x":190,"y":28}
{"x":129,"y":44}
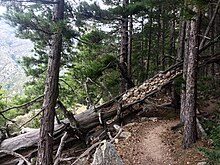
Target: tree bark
{"x":149,"y":45}
{"x":190,"y":132}
{"x":130,"y":39}
{"x":185,"y":50}
{"x":45,"y":146}
{"x":123,"y":61}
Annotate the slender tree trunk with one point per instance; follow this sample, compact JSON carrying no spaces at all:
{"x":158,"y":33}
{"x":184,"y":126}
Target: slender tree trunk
{"x":130,"y":45}
{"x":190,"y":132}
{"x":142,"y":49}
{"x":124,"y":51}
{"x":216,"y":33}
{"x":180,"y":49}
{"x":172,"y":40}
{"x":163,"y":24}
{"x":158,"y":45}
{"x":183,"y":54}
{"x":45,"y":146}
{"x":212,"y":48}
{"x":149,"y":45}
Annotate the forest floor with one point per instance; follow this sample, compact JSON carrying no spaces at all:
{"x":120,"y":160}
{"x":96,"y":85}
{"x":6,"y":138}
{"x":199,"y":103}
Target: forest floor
{"x":154,"y":143}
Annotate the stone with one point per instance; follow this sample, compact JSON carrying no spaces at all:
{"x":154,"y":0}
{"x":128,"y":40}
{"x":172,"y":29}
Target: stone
{"x":201,"y":163}
{"x":106,"y":154}
{"x":125,"y":134}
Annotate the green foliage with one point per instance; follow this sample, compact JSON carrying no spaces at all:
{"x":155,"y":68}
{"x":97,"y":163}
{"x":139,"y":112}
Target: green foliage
{"x":213,"y":130}
{"x":3,"y":101}
{"x":93,"y":65}
{"x":208,"y":86}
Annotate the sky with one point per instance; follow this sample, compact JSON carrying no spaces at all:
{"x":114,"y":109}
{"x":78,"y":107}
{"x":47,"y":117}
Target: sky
{"x":3,"y":9}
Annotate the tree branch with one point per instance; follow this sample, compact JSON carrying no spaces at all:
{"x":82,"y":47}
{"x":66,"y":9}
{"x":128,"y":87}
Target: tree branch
{"x":16,"y":155}
{"x":37,"y":1}
{"x":32,"y":118}
{"x":209,"y":25}
{"x":59,"y":150}
{"x":216,"y":40}
{"x":22,"y":105}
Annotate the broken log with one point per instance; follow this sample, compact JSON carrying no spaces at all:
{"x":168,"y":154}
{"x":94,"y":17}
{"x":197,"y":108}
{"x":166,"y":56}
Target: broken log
{"x":128,"y":103}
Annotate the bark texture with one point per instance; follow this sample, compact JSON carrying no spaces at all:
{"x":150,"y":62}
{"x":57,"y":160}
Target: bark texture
{"x":45,"y":146}
{"x":190,"y":132}
{"x":123,"y":60}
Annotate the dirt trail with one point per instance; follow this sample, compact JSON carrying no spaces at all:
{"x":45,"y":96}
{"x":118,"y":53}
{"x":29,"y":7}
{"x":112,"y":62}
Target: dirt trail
{"x":151,"y":143}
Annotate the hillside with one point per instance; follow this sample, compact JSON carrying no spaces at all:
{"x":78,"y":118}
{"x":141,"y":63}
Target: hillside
{"x":12,"y":75}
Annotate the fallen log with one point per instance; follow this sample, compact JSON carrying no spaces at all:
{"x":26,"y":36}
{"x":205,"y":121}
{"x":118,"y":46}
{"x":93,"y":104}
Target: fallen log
{"x":130,"y":102}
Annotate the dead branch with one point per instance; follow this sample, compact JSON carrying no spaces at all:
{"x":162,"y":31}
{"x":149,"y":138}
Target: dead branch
{"x":8,"y":119}
{"x":38,"y":1}
{"x":59,"y":150}
{"x":16,"y":155}
{"x":87,"y":152}
{"x":32,"y":118}
{"x":22,"y":105}
{"x":210,"y":24}
{"x":200,"y":128}
{"x":69,"y":115}
{"x":118,"y":134}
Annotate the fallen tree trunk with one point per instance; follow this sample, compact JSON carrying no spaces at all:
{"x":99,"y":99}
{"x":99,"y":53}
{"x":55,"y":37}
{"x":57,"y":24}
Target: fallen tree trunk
{"x":128,"y":103}
{"x":118,"y":108}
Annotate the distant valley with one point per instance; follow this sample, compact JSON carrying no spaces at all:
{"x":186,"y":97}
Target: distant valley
{"x":12,"y":49}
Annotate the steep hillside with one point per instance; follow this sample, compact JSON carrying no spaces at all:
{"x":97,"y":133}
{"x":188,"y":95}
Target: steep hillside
{"x":12,"y":76}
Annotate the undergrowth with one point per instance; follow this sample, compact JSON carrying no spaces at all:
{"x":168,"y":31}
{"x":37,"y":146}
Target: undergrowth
{"x":213,"y":131}
{"x":207,"y":86}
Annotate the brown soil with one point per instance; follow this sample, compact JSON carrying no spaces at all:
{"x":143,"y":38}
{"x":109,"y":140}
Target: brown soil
{"x":153,"y":143}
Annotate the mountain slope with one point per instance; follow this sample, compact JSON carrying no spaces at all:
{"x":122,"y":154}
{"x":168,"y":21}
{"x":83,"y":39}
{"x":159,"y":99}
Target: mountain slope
{"x":12,"y":49}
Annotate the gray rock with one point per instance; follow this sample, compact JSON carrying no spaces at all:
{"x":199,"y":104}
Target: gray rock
{"x":106,"y":155}
{"x":201,"y":163}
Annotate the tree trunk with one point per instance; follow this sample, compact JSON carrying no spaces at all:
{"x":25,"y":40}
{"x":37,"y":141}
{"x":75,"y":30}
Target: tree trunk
{"x":163,"y":24}
{"x":149,"y":45}
{"x":158,"y":43}
{"x":180,"y":49}
{"x":124,"y":51}
{"x":45,"y":146}
{"x":130,"y":45}
{"x":142,"y":50}
{"x":172,"y":40}
{"x":190,"y":133}
{"x":184,"y":53}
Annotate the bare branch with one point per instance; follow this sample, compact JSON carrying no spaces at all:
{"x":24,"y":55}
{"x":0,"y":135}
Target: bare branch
{"x":87,"y":152}
{"x":32,"y":118}
{"x":16,"y":155}
{"x":59,"y":150}
{"x":35,"y":1}
{"x":209,"y":25}
{"x":8,"y":118}
{"x":22,"y":105}
{"x":215,"y":40}
{"x":120,"y":129}
{"x":68,"y":115}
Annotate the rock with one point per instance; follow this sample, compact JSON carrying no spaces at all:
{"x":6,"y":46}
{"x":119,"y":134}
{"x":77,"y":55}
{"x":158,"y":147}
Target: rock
{"x":27,"y":129}
{"x":201,"y":163}
{"x":106,"y":155}
{"x":154,"y":119}
{"x":125,"y":135}
{"x":131,"y":124}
